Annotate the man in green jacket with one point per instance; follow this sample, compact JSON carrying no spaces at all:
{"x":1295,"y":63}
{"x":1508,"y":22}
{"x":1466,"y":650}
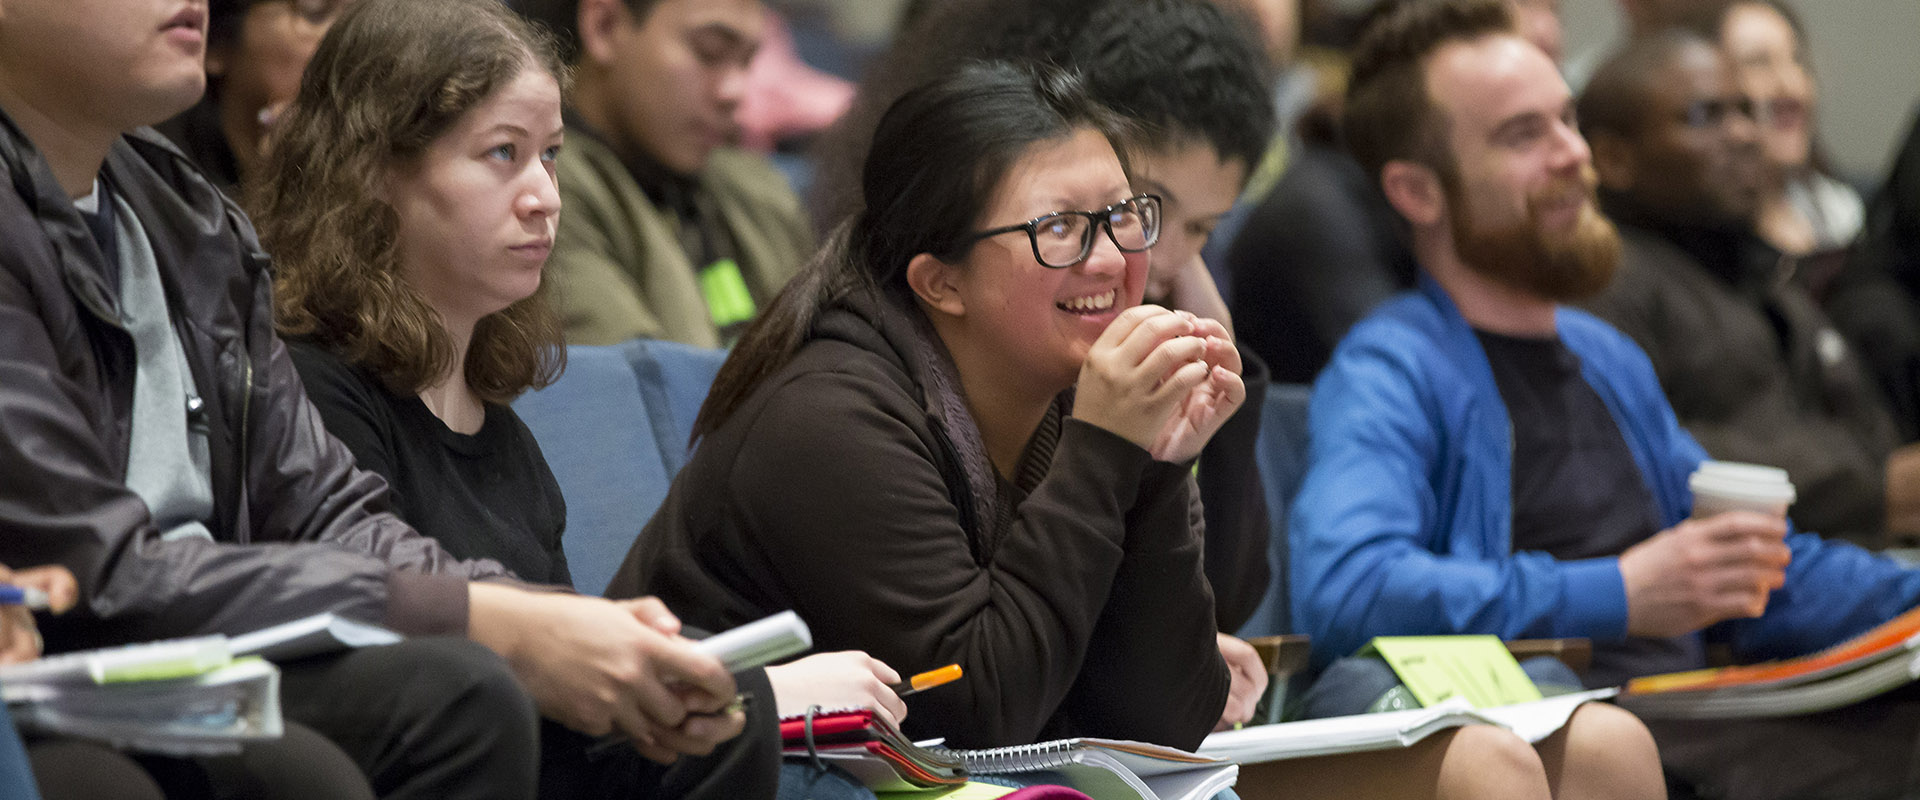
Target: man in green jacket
{"x":668,"y":232}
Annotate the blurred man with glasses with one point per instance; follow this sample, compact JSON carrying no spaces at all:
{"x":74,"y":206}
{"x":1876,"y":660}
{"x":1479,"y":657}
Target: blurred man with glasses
{"x":1752,"y":366}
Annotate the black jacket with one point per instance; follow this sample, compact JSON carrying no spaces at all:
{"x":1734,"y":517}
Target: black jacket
{"x":837,"y":490}
{"x":298,"y":529}
{"x":1753,"y":368}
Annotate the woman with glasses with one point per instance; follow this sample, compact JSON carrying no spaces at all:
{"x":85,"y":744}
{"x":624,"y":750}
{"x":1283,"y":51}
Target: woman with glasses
{"x":959,"y":438}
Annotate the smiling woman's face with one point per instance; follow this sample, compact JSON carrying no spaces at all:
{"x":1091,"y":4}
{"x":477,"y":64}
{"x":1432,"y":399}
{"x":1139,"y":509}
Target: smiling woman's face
{"x":1772,"y":69}
{"x":1038,"y":320}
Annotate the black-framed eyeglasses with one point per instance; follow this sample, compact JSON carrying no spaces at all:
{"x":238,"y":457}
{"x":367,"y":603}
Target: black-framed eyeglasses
{"x":1065,"y":238}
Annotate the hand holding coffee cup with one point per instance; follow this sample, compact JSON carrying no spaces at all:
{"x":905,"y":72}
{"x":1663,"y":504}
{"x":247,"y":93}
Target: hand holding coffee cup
{"x":1720,"y":564}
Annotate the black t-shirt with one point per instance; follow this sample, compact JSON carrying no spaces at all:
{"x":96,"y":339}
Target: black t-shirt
{"x":1577,"y":492}
{"x":488,"y":495}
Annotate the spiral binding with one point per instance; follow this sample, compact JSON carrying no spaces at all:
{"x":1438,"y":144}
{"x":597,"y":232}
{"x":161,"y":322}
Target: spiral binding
{"x":1022,"y":758}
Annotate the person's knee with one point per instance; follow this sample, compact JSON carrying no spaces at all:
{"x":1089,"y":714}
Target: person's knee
{"x":1489,"y":761}
{"x":463,"y":674}
{"x":1603,"y":752}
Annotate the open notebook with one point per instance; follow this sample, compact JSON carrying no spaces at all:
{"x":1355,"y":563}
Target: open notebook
{"x":877,"y":754}
{"x":1108,"y":768}
{"x":1387,"y":730}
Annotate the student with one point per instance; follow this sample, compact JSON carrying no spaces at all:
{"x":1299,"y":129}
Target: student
{"x":1486,"y":460}
{"x":909,"y":476}
{"x":940,"y":449}
{"x":412,"y":336}
{"x":256,"y":50}
{"x":1195,"y":79}
{"x":1803,"y":209}
{"x":672,"y":233}
{"x":1754,"y":369}
{"x":158,"y":445}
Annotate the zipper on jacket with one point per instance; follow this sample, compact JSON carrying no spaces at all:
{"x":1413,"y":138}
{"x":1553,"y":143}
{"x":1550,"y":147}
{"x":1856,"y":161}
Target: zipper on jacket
{"x":246,"y":411}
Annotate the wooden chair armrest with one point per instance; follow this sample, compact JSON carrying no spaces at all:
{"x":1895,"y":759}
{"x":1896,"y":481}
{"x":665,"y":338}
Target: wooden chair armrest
{"x":1577,"y":654}
{"x":1284,"y":655}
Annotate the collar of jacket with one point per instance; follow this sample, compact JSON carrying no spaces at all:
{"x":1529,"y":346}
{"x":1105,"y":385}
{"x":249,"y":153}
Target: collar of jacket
{"x":1733,"y":253}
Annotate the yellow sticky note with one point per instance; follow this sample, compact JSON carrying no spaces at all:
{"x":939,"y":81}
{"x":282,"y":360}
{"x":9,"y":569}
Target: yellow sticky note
{"x":971,"y":790}
{"x":1439,"y":668}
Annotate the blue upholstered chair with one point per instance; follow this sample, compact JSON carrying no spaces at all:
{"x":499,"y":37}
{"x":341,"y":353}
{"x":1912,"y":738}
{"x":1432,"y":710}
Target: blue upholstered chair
{"x":614,"y":430}
{"x":1282,"y":455}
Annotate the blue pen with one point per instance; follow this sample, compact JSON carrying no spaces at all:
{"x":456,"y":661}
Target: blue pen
{"x":11,"y":595}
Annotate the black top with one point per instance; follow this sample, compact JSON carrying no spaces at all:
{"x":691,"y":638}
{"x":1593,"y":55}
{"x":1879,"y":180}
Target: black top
{"x":488,"y":495}
{"x":1577,"y":492}
{"x":1314,"y":257}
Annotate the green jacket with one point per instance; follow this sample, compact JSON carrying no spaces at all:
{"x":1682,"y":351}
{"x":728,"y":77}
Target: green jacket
{"x":617,"y":269}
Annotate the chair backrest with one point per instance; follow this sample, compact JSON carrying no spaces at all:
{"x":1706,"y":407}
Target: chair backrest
{"x":1282,"y":455}
{"x":595,"y":429}
{"x":676,"y":378}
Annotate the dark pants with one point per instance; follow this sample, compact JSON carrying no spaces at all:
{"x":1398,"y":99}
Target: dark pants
{"x":439,"y":718}
{"x":574,"y":766}
{"x":301,"y":764}
{"x":1866,"y":750}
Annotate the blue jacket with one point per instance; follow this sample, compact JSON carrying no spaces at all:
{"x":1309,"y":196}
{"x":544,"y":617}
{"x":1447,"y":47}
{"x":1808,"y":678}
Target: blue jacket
{"x":1403,"y":524}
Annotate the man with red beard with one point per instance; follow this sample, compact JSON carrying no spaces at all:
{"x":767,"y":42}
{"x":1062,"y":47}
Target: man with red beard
{"x":1755,"y":371}
{"x":1486,"y":460}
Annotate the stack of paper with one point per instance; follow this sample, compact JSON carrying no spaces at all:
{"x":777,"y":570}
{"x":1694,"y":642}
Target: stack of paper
{"x":870,"y":748}
{"x":199,"y":695}
{"x":874,"y":751}
{"x":1392,"y":729}
{"x":1109,"y":768}
{"x":1874,"y":662}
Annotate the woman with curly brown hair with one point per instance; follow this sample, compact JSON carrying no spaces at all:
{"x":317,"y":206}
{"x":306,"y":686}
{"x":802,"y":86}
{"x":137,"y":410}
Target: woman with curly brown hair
{"x":411,"y":203}
{"x":410,"y":233}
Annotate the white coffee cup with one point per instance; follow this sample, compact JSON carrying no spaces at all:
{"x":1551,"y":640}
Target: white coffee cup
{"x":1720,"y":486}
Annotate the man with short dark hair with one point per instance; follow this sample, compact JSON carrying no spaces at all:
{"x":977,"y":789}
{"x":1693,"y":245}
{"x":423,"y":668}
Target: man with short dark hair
{"x":1485,"y":460}
{"x":1754,"y":369}
{"x":669,"y":232}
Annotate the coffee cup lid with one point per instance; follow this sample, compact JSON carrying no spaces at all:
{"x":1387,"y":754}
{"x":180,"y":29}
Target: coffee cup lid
{"x":1749,"y":472}
{"x":1742,"y":482}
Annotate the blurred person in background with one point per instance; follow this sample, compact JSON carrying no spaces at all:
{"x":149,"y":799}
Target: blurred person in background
{"x":256,"y":51}
{"x":671,"y":232}
{"x":1802,"y":208}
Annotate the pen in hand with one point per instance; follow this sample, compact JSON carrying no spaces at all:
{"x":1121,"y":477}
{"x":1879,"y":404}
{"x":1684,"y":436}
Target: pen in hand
{"x":33,"y":599}
{"x":927,"y":680}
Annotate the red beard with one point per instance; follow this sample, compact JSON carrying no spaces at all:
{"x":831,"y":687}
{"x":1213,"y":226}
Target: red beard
{"x":1562,"y":267}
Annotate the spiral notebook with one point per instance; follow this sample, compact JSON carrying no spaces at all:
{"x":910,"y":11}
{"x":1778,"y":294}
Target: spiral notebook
{"x":877,"y":754}
{"x":1108,"y":768}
